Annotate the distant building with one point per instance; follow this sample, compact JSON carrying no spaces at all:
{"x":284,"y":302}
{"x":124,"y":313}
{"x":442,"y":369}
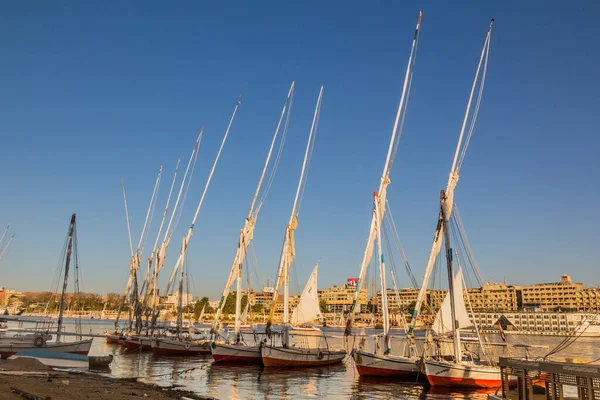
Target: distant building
{"x":171,"y":302}
{"x":339,"y":298}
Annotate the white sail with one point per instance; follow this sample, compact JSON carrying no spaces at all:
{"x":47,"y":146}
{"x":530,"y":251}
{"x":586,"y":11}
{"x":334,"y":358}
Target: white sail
{"x":443,"y":319}
{"x":201,"y":317}
{"x":308,"y":308}
{"x":244,"y":316}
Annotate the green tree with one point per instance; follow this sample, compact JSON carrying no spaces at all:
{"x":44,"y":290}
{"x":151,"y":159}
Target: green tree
{"x":323,"y":306}
{"x":199,"y":306}
{"x":410,"y":308}
{"x":258,"y":308}
{"x":229,"y":307}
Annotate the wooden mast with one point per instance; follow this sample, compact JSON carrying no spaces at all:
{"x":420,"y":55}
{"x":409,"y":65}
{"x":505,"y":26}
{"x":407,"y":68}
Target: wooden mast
{"x":66,"y":278}
{"x":247,"y":231}
{"x":288,"y":251}
{"x":377,"y":217}
{"x":454,"y":175}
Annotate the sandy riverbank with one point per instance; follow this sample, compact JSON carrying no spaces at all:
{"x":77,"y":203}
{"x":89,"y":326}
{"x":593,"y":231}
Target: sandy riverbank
{"x":29,"y":379}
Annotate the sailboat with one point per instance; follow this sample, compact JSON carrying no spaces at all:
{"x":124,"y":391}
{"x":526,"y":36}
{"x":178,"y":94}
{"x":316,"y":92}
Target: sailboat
{"x":452,"y":314}
{"x":308,"y":309}
{"x":381,"y":362}
{"x":451,"y":317}
{"x":149,"y":302}
{"x":185,"y":344}
{"x":287,"y":355}
{"x":9,"y":347}
{"x":236,"y":350}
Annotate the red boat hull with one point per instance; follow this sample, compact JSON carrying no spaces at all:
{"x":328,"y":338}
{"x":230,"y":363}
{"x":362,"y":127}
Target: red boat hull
{"x":136,"y":344}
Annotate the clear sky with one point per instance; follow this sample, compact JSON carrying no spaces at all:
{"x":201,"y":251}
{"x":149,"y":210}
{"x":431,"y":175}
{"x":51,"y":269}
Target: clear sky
{"x":91,"y":91}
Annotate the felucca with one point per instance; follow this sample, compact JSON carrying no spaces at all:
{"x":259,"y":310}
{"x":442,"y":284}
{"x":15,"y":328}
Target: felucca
{"x":452,"y":316}
{"x":381,"y":362}
{"x":185,"y":344}
{"x":286,"y":355}
{"x":9,"y":347}
{"x":237,"y":350}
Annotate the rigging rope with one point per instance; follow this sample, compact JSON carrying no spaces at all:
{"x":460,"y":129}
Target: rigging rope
{"x":396,"y":237}
{"x":273,"y":171}
{"x":476,"y":110}
{"x":308,"y":160}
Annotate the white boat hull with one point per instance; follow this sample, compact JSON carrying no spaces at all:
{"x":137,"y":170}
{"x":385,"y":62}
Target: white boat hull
{"x":448,"y":374}
{"x":275,"y":356}
{"x":370,"y":364}
{"x":57,"y":362}
{"x":80,"y":347}
{"x":222,"y":352}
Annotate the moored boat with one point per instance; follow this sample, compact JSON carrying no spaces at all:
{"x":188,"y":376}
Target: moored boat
{"x":54,"y":359}
{"x":278,"y":356}
{"x":371,"y":364}
{"x":79,"y":347}
{"x":444,"y":373}
{"x":235,"y":352}
{"x":180,"y":347}
{"x":138,"y":343}
{"x":380,"y":362}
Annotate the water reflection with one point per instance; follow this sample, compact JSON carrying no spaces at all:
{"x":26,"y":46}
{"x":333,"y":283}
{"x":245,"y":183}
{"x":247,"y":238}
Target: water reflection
{"x":339,"y":381}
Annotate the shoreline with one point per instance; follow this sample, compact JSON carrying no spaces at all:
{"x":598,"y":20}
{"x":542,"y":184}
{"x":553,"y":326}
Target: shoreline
{"x":34,"y":380}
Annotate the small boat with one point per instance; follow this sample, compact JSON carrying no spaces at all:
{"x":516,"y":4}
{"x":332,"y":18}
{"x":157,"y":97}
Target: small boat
{"x":384,"y":365}
{"x":234,"y":349}
{"x":10,"y":347}
{"x":100,"y":362}
{"x":235,"y":352}
{"x":54,"y":359}
{"x":277,"y":356}
{"x":180,"y":347}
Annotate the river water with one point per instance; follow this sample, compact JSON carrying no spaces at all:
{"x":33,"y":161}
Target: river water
{"x":198,"y":374}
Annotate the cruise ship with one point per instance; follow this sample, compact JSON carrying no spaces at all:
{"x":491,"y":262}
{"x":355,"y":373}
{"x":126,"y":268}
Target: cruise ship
{"x":538,"y":323}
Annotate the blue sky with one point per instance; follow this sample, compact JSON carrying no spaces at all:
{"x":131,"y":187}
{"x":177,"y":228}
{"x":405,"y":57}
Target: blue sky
{"x":95,"y":90}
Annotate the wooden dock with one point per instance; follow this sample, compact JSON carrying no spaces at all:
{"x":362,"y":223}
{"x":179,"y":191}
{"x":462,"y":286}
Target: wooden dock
{"x":550,"y":375}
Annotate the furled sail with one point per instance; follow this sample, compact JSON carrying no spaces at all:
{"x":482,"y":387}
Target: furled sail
{"x":308,"y":308}
{"x":443,"y":319}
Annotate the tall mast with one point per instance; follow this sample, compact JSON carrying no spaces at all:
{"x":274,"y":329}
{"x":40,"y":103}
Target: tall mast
{"x":377,"y":218}
{"x":187,"y":238}
{"x":247,"y":232}
{"x":162,"y":251}
{"x":450,"y":267}
{"x":66,"y":278}
{"x":454,"y":174}
{"x":288,"y":251}
{"x":382,"y":278}
{"x":131,"y":261}
{"x":147,"y":287}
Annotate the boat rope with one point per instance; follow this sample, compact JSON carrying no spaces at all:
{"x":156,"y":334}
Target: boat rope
{"x":149,"y":215}
{"x":464,"y":239}
{"x":185,"y":193}
{"x":409,"y":86}
{"x":287,"y":110}
{"x":466,"y":294}
{"x":310,"y":152}
{"x":477,"y":104}
{"x":399,"y":247}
